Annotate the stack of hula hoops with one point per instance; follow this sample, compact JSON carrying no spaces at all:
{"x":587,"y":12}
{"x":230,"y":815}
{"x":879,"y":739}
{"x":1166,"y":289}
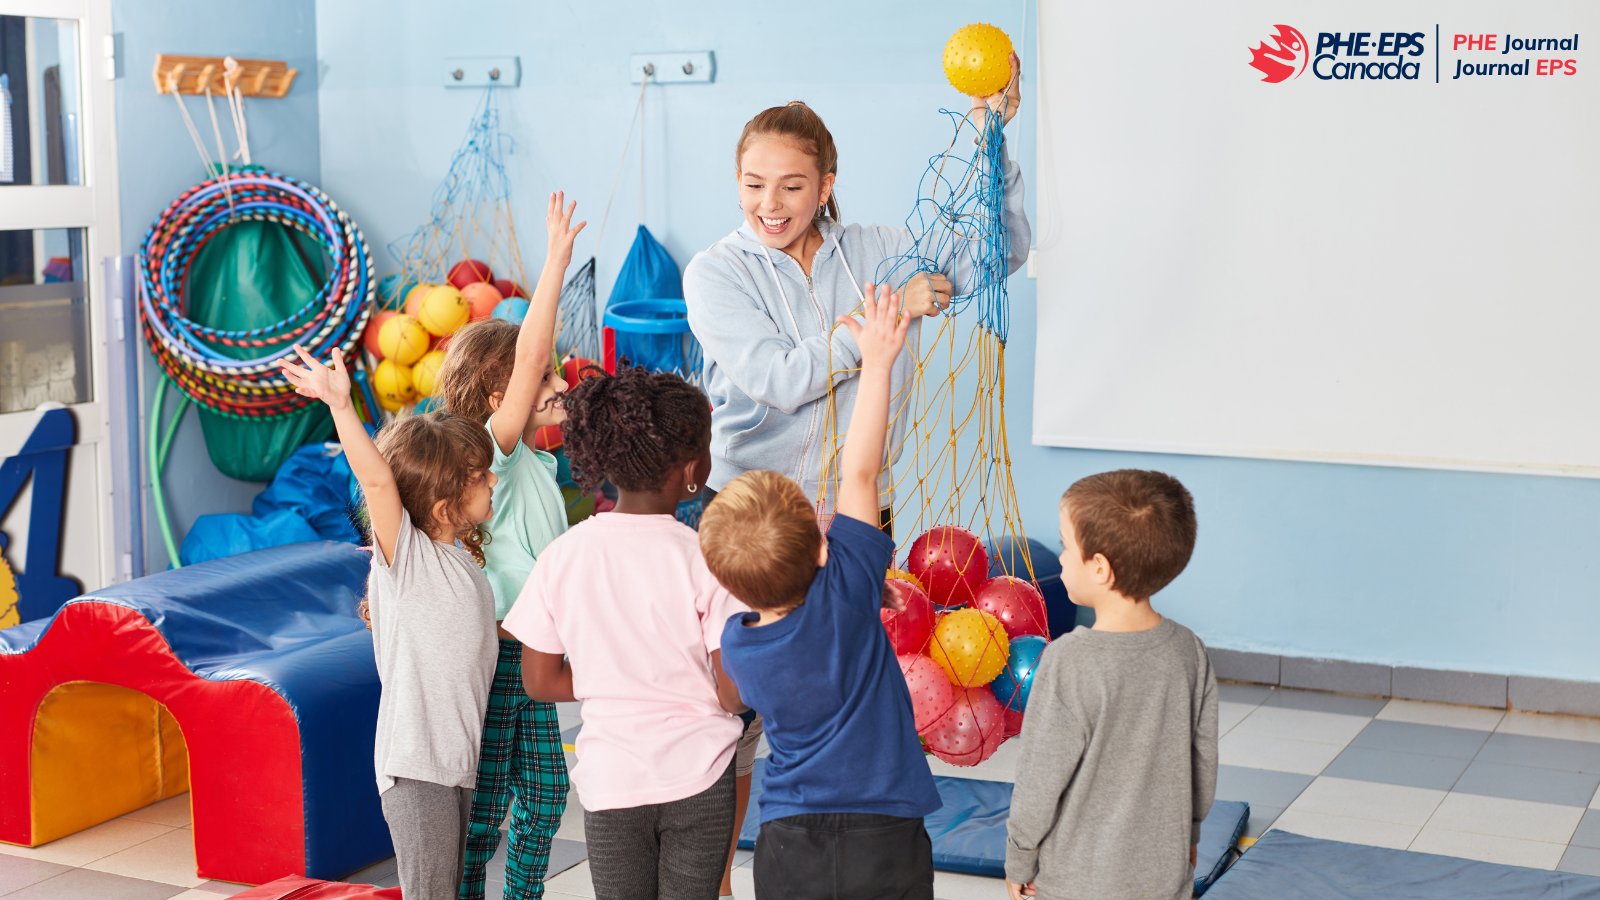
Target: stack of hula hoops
{"x":252,"y":389}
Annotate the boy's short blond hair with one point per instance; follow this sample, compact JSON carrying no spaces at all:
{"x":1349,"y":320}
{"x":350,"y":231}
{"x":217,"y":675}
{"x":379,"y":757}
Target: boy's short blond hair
{"x":760,"y":538}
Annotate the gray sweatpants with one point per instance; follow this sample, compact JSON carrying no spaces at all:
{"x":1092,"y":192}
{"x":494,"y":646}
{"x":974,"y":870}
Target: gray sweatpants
{"x":664,"y":851}
{"x":428,"y":824}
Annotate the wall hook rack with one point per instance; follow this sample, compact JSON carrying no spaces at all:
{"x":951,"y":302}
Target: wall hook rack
{"x":253,"y":77}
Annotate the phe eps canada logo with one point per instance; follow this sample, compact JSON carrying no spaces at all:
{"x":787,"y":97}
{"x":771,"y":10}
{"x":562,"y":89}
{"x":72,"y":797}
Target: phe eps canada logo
{"x":1286,"y":58}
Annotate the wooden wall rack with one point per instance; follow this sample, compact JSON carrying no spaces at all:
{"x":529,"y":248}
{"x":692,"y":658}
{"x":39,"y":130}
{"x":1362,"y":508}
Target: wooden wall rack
{"x":254,"y":77}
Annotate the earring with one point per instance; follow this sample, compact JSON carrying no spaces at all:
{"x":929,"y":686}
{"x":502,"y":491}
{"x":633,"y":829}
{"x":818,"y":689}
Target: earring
{"x":822,"y":210}
{"x":693,"y":488}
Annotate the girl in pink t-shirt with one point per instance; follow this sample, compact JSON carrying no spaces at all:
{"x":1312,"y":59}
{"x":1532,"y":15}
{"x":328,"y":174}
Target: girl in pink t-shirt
{"x":622,"y":614}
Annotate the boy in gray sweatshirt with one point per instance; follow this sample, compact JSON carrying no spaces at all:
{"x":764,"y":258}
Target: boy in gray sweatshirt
{"x":1119,"y":744}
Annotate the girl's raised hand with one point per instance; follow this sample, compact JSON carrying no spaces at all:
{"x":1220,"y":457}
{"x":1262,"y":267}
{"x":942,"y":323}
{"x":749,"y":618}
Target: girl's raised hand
{"x":882,"y":332}
{"x":558,"y":220}
{"x":317,"y":381}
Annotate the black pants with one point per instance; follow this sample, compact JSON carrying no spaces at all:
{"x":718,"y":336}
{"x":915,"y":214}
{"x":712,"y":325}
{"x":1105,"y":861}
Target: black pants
{"x":885,"y":515}
{"x":844,"y":856}
{"x":664,"y":851}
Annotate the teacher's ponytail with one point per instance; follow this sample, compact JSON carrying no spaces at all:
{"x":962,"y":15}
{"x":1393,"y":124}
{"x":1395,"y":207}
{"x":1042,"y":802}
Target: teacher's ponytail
{"x":801,"y":124}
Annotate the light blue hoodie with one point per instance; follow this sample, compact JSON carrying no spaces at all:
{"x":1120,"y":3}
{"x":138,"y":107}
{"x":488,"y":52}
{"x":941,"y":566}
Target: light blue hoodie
{"x":770,"y":342}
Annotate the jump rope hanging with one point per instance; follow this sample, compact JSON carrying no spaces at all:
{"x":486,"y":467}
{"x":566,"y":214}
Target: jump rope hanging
{"x":231,"y":274}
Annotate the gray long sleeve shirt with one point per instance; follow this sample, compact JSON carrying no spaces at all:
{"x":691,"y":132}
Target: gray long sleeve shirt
{"x":1119,"y":766}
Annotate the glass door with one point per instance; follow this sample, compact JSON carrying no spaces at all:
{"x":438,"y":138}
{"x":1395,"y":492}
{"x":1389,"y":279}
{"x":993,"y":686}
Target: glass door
{"x":58,"y":218}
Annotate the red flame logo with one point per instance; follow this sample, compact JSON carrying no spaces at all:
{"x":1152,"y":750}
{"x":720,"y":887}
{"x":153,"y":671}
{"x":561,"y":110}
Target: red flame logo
{"x":1285,"y":59}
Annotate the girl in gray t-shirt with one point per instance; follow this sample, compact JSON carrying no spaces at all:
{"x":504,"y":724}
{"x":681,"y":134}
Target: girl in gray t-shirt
{"x":428,"y":489}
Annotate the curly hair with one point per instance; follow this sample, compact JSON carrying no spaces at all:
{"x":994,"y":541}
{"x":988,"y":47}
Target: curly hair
{"x":434,"y":457}
{"x":477,"y":364}
{"x":633,"y":427}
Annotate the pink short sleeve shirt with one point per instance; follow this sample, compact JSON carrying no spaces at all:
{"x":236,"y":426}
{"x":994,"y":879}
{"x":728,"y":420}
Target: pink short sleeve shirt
{"x":630,"y":601}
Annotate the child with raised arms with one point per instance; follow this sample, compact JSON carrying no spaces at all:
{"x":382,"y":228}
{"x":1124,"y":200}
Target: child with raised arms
{"x":846,"y":785}
{"x":428,"y":492}
{"x":622,"y":614}
{"x":505,"y":378}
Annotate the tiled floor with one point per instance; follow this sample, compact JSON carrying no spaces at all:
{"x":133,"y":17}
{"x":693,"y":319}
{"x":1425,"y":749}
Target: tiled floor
{"x":1515,"y":788}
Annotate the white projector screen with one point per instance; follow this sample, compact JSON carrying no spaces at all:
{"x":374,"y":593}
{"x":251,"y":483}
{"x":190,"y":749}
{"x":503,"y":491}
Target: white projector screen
{"x":1366,"y":259}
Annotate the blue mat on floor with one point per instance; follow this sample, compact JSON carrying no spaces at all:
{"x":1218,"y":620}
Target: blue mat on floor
{"x":1284,"y":866}
{"x":969,"y":831}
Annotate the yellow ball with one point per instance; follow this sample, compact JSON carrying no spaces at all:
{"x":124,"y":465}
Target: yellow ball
{"x":971,"y":646}
{"x":977,"y":60}
{"x":444,"y":310}
{"x":393,"y":384}
{"x":402,"y":340}
{"x":425,"y":374}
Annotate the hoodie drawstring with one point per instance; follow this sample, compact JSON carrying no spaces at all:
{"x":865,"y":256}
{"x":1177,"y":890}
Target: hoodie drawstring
{"x":784,"y":295}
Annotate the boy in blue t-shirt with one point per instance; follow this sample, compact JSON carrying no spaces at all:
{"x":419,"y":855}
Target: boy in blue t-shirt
{"x":846,"y":786}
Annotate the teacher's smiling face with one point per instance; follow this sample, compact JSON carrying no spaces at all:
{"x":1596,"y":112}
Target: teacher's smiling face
{"x":780,"y":189}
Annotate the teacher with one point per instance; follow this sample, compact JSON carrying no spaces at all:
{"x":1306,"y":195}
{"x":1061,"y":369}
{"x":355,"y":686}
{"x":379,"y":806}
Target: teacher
{"x":763,"y":300}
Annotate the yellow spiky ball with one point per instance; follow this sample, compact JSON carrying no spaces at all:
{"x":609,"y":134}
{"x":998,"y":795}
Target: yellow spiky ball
{"x":971,"y":646}
{"x":977,"y":60}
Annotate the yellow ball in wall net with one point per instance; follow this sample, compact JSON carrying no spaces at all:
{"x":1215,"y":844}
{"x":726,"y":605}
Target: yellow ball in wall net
{"x":977,"y":60}
{"x":444,"y":310}
{"x":402,"y":339}
{"x":393,"y":384}
{"x":425,"y":374}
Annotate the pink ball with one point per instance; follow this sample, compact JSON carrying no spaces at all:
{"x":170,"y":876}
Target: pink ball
{"x":1016,"y":603}
{"x":951,"y":562}
{"x":908,"y":628}
{"x":972,"y":731}
{"x":931,"y":691}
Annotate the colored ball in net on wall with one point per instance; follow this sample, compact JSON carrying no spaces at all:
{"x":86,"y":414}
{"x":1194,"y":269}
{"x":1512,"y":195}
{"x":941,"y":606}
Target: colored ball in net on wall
{"x":931,"y":691}
{"x":482,"y":298}
{"x":374,"y":325}
{"x":1016,"y":603}
{"x":425,"y":374}
{"x":393,"y":384}
{"x":444,"y":310}
{"x":1012,"y":686}
{"x":402,"y":340}
{"x":970,"y":645}
{"x":971,"y":731}
{"x":512,"y":309}
{"x":509,"y":288}
{"x":468,"y":271}
{"x":415,"y":296}
{"x":950,"y":563}
{"x":427,"y":405}
{"x":391,"y":292}
{"x":977,"y":60}
{"x":908,"y":628}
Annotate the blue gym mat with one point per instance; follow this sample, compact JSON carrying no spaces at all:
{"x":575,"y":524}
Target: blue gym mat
{"x":1284,"y":866}
{"x":969,"y":831}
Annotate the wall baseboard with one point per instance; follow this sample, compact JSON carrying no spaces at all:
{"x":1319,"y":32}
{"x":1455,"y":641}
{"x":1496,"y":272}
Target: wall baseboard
{"x":1405,"y":682}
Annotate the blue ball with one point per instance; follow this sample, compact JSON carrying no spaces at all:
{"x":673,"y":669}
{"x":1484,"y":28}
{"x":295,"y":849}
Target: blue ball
{"x":512,"y":309}
{"x":1005,"y":558}
{"x":1015,"y":681}
{"x":428,"y":405}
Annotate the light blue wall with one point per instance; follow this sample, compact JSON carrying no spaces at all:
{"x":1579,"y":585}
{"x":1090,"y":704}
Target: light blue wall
{"x":1437,"y":569}
{"x":156,"y":161}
